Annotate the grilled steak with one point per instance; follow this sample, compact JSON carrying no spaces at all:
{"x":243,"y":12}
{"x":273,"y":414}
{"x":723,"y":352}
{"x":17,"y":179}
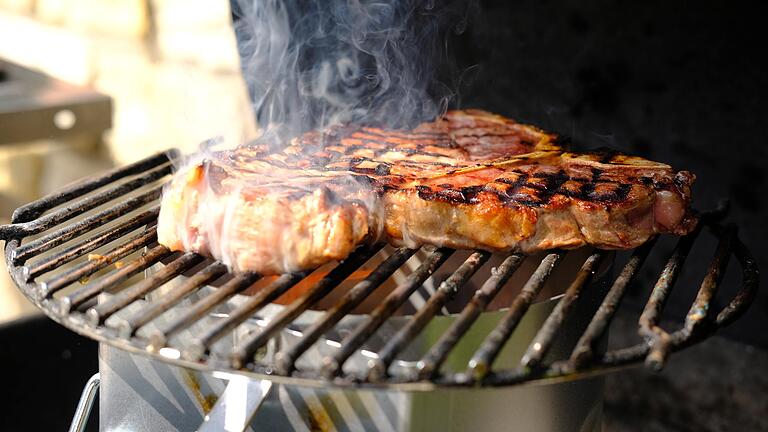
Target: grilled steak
{"x":470,"y":179}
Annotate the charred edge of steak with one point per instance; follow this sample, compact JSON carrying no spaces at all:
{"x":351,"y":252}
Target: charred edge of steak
{"x":525,"y":194}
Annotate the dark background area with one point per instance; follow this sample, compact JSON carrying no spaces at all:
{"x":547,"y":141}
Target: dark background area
{"x":678,"y":82}
{"x":45,"y":367}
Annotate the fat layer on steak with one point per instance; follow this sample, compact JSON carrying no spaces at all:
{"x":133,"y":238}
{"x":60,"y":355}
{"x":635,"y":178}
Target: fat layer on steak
{"x":470,"y":179}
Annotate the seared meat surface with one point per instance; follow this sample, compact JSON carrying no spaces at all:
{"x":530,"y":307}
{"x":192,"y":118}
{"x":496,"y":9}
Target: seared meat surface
{"x":470,"y":179}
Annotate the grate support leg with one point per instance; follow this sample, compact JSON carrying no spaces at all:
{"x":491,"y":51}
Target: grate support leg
{"x":83,"y":410}
{"x":238,"y":404}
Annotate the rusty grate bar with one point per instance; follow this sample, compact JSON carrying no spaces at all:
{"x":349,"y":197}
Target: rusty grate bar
{"x":351,"y":343}
{"x":30,"y":211}
{"x":89,"y":203}
{"x":585,"y":348}
{"x":95,"y":288}
{"x":481,"y":361}
{"x":447,"y":290}
{"x":201,"y":344}
{"x":699,"y":311}
{"x":38,"y":246}
{"x":97,"y":314}
{"x":285,"y":360}
{"x":648,"y":325}
{"x":751,"y":282}
{"x":50,"y":263}
{"x":129,"y":327}
{"x":247,"y":348}
{"x":90,"y":267}
{"x":430,"y":363}
{"x":541,"y":343}
{"x":238,"y":284}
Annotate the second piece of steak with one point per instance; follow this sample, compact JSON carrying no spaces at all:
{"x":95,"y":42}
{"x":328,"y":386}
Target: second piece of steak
{"x":470,"y":179}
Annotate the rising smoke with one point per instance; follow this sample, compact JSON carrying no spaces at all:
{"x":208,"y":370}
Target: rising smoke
{"x":310,"y":64}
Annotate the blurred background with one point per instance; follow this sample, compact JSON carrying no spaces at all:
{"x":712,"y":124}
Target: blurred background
{"x":84,"y":86}
{"x":170,"y":69}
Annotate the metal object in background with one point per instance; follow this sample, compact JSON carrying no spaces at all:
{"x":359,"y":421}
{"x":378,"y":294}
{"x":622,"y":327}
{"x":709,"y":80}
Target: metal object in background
{"x":236,"y":407}
{"x":140,"y":393}
{"x":35,"y":106}
{"x":46,"y":232}
{"x":84,"y":407}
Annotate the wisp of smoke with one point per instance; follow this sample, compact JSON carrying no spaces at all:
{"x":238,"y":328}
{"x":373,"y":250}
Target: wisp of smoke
{"x":310,"y":64}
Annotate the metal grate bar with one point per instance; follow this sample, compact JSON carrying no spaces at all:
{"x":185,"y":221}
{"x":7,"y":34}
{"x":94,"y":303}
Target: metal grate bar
{"x":97,"y":314}
{"x":200,"y":345}
{"x":33,"y":210}
{"x":35,"y":247}
{"x":683,"y":337}
{"x":432,"y":361}
{"x":54,"y":261}
{"x":699,"y":311}
{"x":151,"y":311}
{"x":94,"y":288}
{"x":90,"y":267}
{"x":584,"y":351}
{"x":353,"y":341}
{"x":246,"y":349}
{"x":91,"y":202}
{"x":285,"y":360}
{"x":751,"y":281}
{"x":649,"y":319}
{"x":541,"y":343}
{"x":481,"y":361}
{"x":414,"y":326}
{"x":238,"y":284}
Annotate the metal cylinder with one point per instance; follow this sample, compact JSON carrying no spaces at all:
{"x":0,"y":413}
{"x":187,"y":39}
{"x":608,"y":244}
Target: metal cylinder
{"x":143,"y":394}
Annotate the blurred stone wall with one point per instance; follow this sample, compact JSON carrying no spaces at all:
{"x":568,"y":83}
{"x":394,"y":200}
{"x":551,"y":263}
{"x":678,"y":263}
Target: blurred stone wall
{"x":170,"y":66}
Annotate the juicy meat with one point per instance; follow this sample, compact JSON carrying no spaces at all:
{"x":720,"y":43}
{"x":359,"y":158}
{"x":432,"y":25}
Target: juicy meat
{"x":470,"y":179}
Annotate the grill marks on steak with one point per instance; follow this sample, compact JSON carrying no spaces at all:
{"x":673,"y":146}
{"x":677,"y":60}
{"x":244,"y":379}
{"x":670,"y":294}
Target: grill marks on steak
{"x":531,"y":186}
{"x":470,"y":179}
